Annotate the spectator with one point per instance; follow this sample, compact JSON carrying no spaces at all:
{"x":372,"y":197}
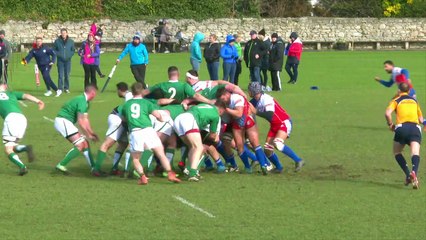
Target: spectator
{"x":138,"y":58}
{"x":294,"y":52}
{"x":253,"y":54}
{"x":8,"y":55}
{"x":230,"y":56}
{"x":98,"y":40}
{"x":265,"y":59}
{"x":237,"y":45}
{"x":212,"y":55}
{"x":93,"y":28}
{"x":89,"y":53}
{"x":276,"y":60}
{"x":45,"y":58}
{"x":2,"y":64}
{"x":196,"y":51}
{"x":64,"y":48}
{"x":166,"y":36}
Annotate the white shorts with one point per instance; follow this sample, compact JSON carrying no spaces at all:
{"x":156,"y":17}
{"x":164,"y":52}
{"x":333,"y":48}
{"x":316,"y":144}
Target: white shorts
{"x":65,"y":127}
{"x":163,"y":127}
{"x":185,"y":123}
{"x":116,"y":131}
{"x":143,"y":139}
{"x":14,"y":127}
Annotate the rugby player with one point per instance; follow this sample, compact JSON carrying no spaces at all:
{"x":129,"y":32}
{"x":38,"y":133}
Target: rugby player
{"x":142,"y":136}
{"x":280,"y":125}
{"x":407,"y":131}
{"x":15,"y":124}
{"x":72,"y":112}
{"x":390,"y":68}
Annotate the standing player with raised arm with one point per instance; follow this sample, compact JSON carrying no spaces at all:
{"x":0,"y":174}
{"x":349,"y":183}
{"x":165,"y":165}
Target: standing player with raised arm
{"x":395,"y":73}
{"x":15,"y":124}
{"x":72,"y":112}
{"x":280,"y":126}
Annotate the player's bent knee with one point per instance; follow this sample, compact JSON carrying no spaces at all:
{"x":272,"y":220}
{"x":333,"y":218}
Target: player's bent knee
{"x":279,"y":144}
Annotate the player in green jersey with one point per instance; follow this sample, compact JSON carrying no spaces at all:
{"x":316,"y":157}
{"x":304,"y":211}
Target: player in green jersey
{"x":188,"y":126}
{"x":15,"y":124}
{"x":72,"y":112}
{"x":142,"y":136}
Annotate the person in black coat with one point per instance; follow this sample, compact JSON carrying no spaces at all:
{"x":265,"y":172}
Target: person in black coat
{"x":276,"y":60}
{"x":253,"y":54}
{"x":265,"y":59}
{"x":212,"y":56}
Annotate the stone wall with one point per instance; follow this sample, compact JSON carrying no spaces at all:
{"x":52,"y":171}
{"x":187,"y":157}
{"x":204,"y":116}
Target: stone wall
{"x":310,"y":29}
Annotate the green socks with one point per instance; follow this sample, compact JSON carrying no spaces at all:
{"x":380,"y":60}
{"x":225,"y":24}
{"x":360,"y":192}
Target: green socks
{"x":99,"y":160}
{"x":192,"y":172}
{"x":15,"y":159}
{"x":73,"y":153}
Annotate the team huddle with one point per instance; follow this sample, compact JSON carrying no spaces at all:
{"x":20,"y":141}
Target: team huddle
{"x":206,"y":120}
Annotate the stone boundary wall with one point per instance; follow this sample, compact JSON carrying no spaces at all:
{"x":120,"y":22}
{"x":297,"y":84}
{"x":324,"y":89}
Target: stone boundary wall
{"x":310,"y":29}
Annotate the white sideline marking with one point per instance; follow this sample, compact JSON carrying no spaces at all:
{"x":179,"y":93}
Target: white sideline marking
{"x":184,"y":201}
{"x":23,"y":104}
{"x":48,"y":119}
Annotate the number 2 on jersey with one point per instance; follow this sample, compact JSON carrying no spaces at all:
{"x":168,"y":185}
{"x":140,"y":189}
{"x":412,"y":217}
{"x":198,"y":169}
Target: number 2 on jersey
{"x":136,"y":110}
{"x":172,"y":91}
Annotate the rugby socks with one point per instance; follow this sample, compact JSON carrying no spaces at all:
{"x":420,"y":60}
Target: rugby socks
{"x":127,"y":161}
{"x":15,"y":159}
{"x":260,"y":155}
{"x":20,"y":148}
{"x":116,"y":160}
{"x":415,"y":160}
{"x":89,"y":158}
{"x":73,"y":153}
{"x":245,"y":159}
{"x":208,"y":162}
{"x":219,"y":163}
{"x":99,"y":160}
{"x":403,"y":164}
{"x":274,"y":159}
{"x":289,"y":152}
{"x":249,"y":153}
{"x":193,"y":172}
{"x":170,"y":154}
{"x":221,"y":149}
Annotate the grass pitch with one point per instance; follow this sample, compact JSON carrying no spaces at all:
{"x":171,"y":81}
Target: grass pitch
{"x":351,"y":187}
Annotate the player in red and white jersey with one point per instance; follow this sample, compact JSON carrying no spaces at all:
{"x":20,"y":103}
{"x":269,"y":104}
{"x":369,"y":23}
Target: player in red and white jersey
{"x":280,"y":125}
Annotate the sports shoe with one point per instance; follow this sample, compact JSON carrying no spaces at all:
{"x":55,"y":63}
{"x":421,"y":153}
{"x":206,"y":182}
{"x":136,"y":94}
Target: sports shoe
{"x":23,"y":171}
{"x":102,"y":75}
{"x":221,"y":169}
{"x":171,"y":176}
{"x":58,"y":93}
{"x":48,"y":93}
{"x":193,"y":179}
{"x":277,"y":171}
{"x":67,"y":91}
{"x":269,"y":167}
{"x":299,"y":165}
{"x":407,"y":181}
{"x":264,"y":171}
{"x":116,"y":172}
{"x":143,"y":180}
{"x":414,"y":180}
{"x":290,"y":81}
{"x":30,"y":153}
{"x":61,"y":168}
{"x":97,"y":173}
{"x":248,"y":170}
{"x":186,"y":172}
{"x":233,"y":169}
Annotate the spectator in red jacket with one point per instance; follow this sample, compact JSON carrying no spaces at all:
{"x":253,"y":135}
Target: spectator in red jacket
{"x":293,"y":52}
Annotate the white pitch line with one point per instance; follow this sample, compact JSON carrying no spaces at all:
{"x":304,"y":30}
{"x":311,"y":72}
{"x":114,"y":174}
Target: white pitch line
{"x":184,"y":201}
{"x":48,"y":119}
{"x":23,"y":104}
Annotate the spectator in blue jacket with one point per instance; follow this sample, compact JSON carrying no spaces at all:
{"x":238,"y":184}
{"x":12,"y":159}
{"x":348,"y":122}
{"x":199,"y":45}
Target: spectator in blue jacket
{"x":138,"y":58}
{"x":230,"y":56}
{"x":196,"y":51}
{"x":45,"y":58}
{"x":64,"y":49}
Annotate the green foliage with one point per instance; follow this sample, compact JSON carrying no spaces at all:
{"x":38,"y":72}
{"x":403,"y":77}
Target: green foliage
{"x":349,"y":8}
{"x":126,"y":9}
{"x":404,"y":8}
{"x":285,"y":8}
{"x":192,"y":9}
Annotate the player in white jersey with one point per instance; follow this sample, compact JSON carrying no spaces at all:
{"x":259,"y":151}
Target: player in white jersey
{"x":395,"y":72}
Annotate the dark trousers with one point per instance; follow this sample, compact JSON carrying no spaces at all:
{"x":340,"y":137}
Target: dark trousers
{"x":98,"y":70}
{"x":3,"y":77}
{"x":255,"y":74}
{"x":264,"y":77}
{"x":229,"y":71}
{"x":89,"y":74}
{"x":164,"y":45}
{"x":213,"y":69}
{"x":45,"y":72}
{"x":292,"y":70}
{"x":139,"y":73}
{"x":276,"y":80}
{"x":238,"y":71}
{"x":64,"y":69}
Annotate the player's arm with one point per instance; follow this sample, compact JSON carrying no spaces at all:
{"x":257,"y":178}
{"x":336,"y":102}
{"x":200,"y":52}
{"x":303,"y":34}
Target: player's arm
{"x":236,"y":113}
{"x":34,"y":100}
{"x":160,"y":117}
{"x":385,"y":83}
{"x":146,"y":92}
{"x":83,"y":121}
{"x":166,"y":101}
{"x":200,"y":98}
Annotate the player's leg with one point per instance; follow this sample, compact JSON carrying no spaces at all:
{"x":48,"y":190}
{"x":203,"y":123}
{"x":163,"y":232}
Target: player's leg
{"x":282,"y":134}
{"x":215,"y":155}
{"x":119,"y":151}
{"x":253,"y":136}
{"x":136,"y":141}
{"x":415,"y":160}
{"x":194,"y":142}
{"x":270,"y":154}
{"x":239,"y":138}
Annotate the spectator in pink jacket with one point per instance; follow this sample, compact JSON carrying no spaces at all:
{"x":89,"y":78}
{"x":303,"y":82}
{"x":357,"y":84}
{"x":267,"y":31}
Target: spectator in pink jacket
{"x":293,"y":51}
{"x":93,"y":28}
{"x":89,"y":53}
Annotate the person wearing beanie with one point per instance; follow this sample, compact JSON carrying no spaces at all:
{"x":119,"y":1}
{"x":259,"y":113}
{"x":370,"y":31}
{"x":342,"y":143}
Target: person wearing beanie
{"x":253,"y":55}
{"x":64,"y":48}
{"x":294,"y":52}
{"x":265,"y":59}
{"x":138,"y":58}
{"x":89,"y":53}
{"x":45,"y":58}
{"x":276,"y":60}
{"x":212,"y":57}
{"x":237,"y":45}
{"x":230,"y":57}
{"x":5,"y":59}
